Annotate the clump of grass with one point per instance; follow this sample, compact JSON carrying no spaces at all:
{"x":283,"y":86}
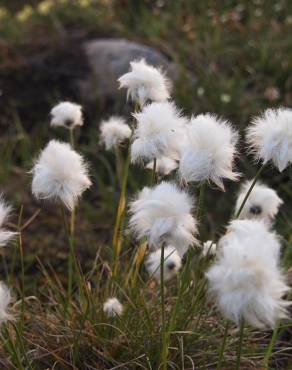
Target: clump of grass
{"x":159,"y":323}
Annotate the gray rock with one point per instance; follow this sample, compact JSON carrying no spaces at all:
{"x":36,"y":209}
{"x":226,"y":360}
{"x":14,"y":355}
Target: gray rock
{"x":108,"y":59}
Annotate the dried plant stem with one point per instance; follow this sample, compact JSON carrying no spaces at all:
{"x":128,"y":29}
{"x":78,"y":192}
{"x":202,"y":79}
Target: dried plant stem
{"x":240,"y":343}
{"x":250,"y":190}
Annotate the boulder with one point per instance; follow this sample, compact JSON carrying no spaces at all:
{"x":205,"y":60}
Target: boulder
{"x":108,"y":59}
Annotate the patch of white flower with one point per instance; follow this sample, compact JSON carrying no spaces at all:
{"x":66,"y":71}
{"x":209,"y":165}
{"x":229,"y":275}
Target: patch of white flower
{"x":113,"y":307}
{"x":209,"y":151}
{"x":270,"y":137}
{"x":263,"y":203}
{"x":171,"y":266}
{"x":145,"y":83}
{"x":159,"y":132}
{"x":67,"y":114}
{"x":60,"y":174}
{"x":246,"y":280}
{"x":163,"y":214}
{"x":114,"y":132}
{"x":164,"y":165}
{"x":5,"y":235}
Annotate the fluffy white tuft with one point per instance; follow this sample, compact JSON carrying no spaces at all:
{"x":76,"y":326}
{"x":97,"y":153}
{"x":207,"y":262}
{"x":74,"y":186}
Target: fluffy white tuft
{"x":145,"y":83}
{"x":171,"y":266}
{"x":5,"y":235}
{"x":60,"y":173}
{"x":67,"y":114}
{"x":159,"y":129}
{"x":114,"y":131}
{"x":263,"y":202}
{"x":5,"y":300}
{"x":270,"y":137}
{"x":113,"y":307}
{"x":163,"y":215}
{"x":209,"y":248}
{"x":246,"y":280}
{"x":209,"y":151}
{"x":164,"y":165}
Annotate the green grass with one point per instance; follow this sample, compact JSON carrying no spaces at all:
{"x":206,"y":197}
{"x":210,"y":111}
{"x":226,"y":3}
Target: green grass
{"x":234,"y":58}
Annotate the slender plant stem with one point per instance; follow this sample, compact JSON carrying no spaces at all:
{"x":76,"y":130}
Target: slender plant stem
{"x":22,"y":265}
{"x":270,"y":347}
{"x":119,"y":165}
{"x":73,"y":212}
{"x":200,"y":209}
{"x":117,"y":242}
{"x":240,"y":342}
{"x":250,"y":190}
{"x":163,"y":327}
{"x":222,"y":348}
{"x":71,"y":253}
{"x":153,"y":175}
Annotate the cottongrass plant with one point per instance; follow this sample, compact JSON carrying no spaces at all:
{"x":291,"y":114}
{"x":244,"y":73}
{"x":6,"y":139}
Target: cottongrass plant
{"x":5,"y":235}
{"x":145,"y":83}
{"x":113,"y":307}
{"x":263,"y":202}
{"x":160,"y":129}
{"x":60,"y":174}
{"x":209,"y":151}
{"x":172,"y":263}
{"x":67,"y":114}
{"x":174,"y":287}
{"x":5,"y":301}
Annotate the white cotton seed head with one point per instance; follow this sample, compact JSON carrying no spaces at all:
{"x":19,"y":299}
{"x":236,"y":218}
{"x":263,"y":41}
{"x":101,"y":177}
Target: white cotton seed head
{"x":145,"y":83}
{"x":114,"y":131}
{"x":112,"y":307}
{"x":209,"y":248}
{"x":160,"y":128}
{"x":5,"y":300}
{"x":164,"y":165}
{"x":171,"y":266}
{"x":209,"y":152}
{"x":67,"y":114}
{"x":263,"y":202}
{"x":270,"y":137}
{"x":60,"y":173}
{"x":5,"y":235}
{"x":246,"y":280}
{"x":163,"y":214}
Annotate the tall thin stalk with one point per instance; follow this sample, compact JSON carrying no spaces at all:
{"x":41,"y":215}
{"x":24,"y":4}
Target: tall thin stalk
{"x":164,"y":344}
{"x":222,"y":348}
{"x":117,"y":242}
{"x":22,"y":264}
{"x":73,"y":212}
{"x":250,"y":190}
{"x":153,"y":174}
{"x":239,"y":347}
{"x":270,"y":347}
{"x":117,"y":238}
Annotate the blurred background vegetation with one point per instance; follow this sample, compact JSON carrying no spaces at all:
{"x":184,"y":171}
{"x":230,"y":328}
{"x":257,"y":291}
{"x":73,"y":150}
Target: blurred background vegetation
{"x":233,"y":58}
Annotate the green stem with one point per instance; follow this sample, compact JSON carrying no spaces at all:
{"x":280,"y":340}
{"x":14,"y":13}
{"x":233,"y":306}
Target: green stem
{"x":117,"y":242}
{"x":22,"y":265}
{"x":250,"y":190}
{"x":270,"y":347}
{"x":222,"y":348}
{"x":71,"y":253}
{"x":240,"y":342}
{"x":163,"y":327}
{"x":153,"y":175}
{"x":73,"y":213}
